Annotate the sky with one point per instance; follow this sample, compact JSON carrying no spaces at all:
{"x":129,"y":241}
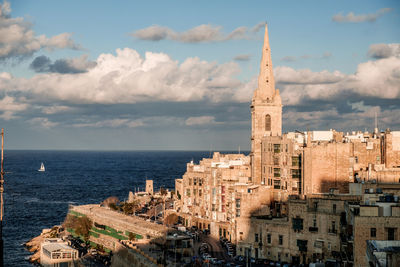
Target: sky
{"x":179,"y":75}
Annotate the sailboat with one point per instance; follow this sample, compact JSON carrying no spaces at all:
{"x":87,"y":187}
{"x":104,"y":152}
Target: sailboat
{"x":42,"y":168}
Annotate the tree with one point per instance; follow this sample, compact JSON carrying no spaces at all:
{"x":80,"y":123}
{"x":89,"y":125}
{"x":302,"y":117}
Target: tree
{"x":70,"y":221}
{"x":130,"y":207}
{"x":113,"y":206}
{"x":163,"y":191}
{"x":110,"y":200}
{"x":83,"y":226}
{"x":132,"y":236}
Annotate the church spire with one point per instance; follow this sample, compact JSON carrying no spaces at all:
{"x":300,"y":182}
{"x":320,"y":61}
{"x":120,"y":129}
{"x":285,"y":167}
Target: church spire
{"x":266,"y":83}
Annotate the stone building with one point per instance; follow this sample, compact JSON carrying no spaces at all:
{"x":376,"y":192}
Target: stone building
{"x":375,"y":217}
{"x":57,"y":252}
{"x":209,"y":193}
{"x":266,"y":110}
{"x":309,"y":231}
{"x":288,"y":199}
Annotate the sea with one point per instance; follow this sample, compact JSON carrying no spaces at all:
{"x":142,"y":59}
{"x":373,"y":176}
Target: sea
{"x":36,"y":200}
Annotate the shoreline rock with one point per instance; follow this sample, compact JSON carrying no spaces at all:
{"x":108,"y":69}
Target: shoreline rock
{"x":33,"y":245}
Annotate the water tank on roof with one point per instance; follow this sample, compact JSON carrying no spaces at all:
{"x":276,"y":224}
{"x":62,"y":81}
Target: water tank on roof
{"x":371,"y":190}
{"x":379,"y":190}
{"x":396,"y":198}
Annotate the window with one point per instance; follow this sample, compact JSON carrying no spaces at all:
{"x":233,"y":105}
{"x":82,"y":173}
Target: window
{"x":334,"y":208}
{"x":194,"y":192}
{"x":255,"y":237}
{"x":213,"y":207}
{"x":356,"y":159}
{"x":314,"y":222}
{"x":277,"y":148}
{"x":277,"y":172}
{"x":199,"y":192}
{"x":268,"y":123}
{"x":318,"y":244}
{"x":269,"y":238}
{"x":390,"y":233}
{"x":373,"y":232}
{"x":237,"y":207}
{"x":194,"y":181}
{"x":296,"y":173}
{"x":200,"y":181}
{"x":277,"y":184}
{"x":188,"y":192}
{"x":297,"y":224}
{"x":190,"y":181}
{"x":333,"y":228}
{"x":295,"y":161}
{"x":280,"y":239}
{"x":276,"y":160}
{"x":315,"y":206}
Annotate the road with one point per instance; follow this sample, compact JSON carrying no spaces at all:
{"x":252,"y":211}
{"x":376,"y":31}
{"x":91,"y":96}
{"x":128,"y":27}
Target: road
{"x":216,"y":250}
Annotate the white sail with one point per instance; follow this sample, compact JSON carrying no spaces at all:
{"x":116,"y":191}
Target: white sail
{"x":42,"y":168}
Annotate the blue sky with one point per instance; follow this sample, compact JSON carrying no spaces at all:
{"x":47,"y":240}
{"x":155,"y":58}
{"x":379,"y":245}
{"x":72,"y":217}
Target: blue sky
{"x":63,"y":85}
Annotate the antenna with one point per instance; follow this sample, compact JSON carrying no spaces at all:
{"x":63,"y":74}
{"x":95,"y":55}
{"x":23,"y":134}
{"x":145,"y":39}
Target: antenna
{"x":239,"y":149}
{"x":1,"y":198}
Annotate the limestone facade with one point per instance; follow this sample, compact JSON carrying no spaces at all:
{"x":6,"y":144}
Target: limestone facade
{"x":266,"y":110}
{"x":288,"y":199}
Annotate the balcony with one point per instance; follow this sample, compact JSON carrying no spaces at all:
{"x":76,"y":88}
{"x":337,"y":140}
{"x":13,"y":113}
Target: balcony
{"x":332,"y":231}
{"x":313,"y":229}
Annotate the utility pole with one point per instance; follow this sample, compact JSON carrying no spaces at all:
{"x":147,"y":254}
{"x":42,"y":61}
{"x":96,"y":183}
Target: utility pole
{"x":1,"y":200}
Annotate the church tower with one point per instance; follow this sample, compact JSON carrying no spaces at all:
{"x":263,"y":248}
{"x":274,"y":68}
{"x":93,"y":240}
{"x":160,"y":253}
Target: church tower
{"x":266,"y":110}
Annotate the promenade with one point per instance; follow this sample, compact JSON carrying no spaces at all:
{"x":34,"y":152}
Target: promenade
{"x":116,"y":220}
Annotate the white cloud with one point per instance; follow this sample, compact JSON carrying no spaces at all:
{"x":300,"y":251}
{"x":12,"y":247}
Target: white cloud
{"x":43,"y":122}
{"x":288,"y":75}
{"x":112,"y":123}
{"x":201,"y":120}
{"x":128,"y":78}
{"x":73,"y":65}
{"x":198,"y":34}
{"x":9,"y":106}
{"x":384,"y":50}
{"x":379,"y":78}
{"x":351,"y":17}
{"x":332,"y":118}
{"x":55,"y":109}
{"x":18,"y":40}
{"x":242,"y":57}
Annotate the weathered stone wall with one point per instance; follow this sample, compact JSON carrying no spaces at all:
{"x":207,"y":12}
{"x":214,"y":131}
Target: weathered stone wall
{"x":121,"y":222}
{"x":127,"y":257}
{"x":327,"y":165}
{"x":362,"y":233}
{"x":392,"y":149}
{"x":288,"y":180}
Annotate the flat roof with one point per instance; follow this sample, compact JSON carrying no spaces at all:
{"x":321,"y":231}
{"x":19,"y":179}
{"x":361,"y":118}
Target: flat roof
{"x":51,"y":247}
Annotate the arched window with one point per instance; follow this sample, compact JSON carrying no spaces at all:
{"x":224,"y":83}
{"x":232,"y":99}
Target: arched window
{"x":268,"y":122}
